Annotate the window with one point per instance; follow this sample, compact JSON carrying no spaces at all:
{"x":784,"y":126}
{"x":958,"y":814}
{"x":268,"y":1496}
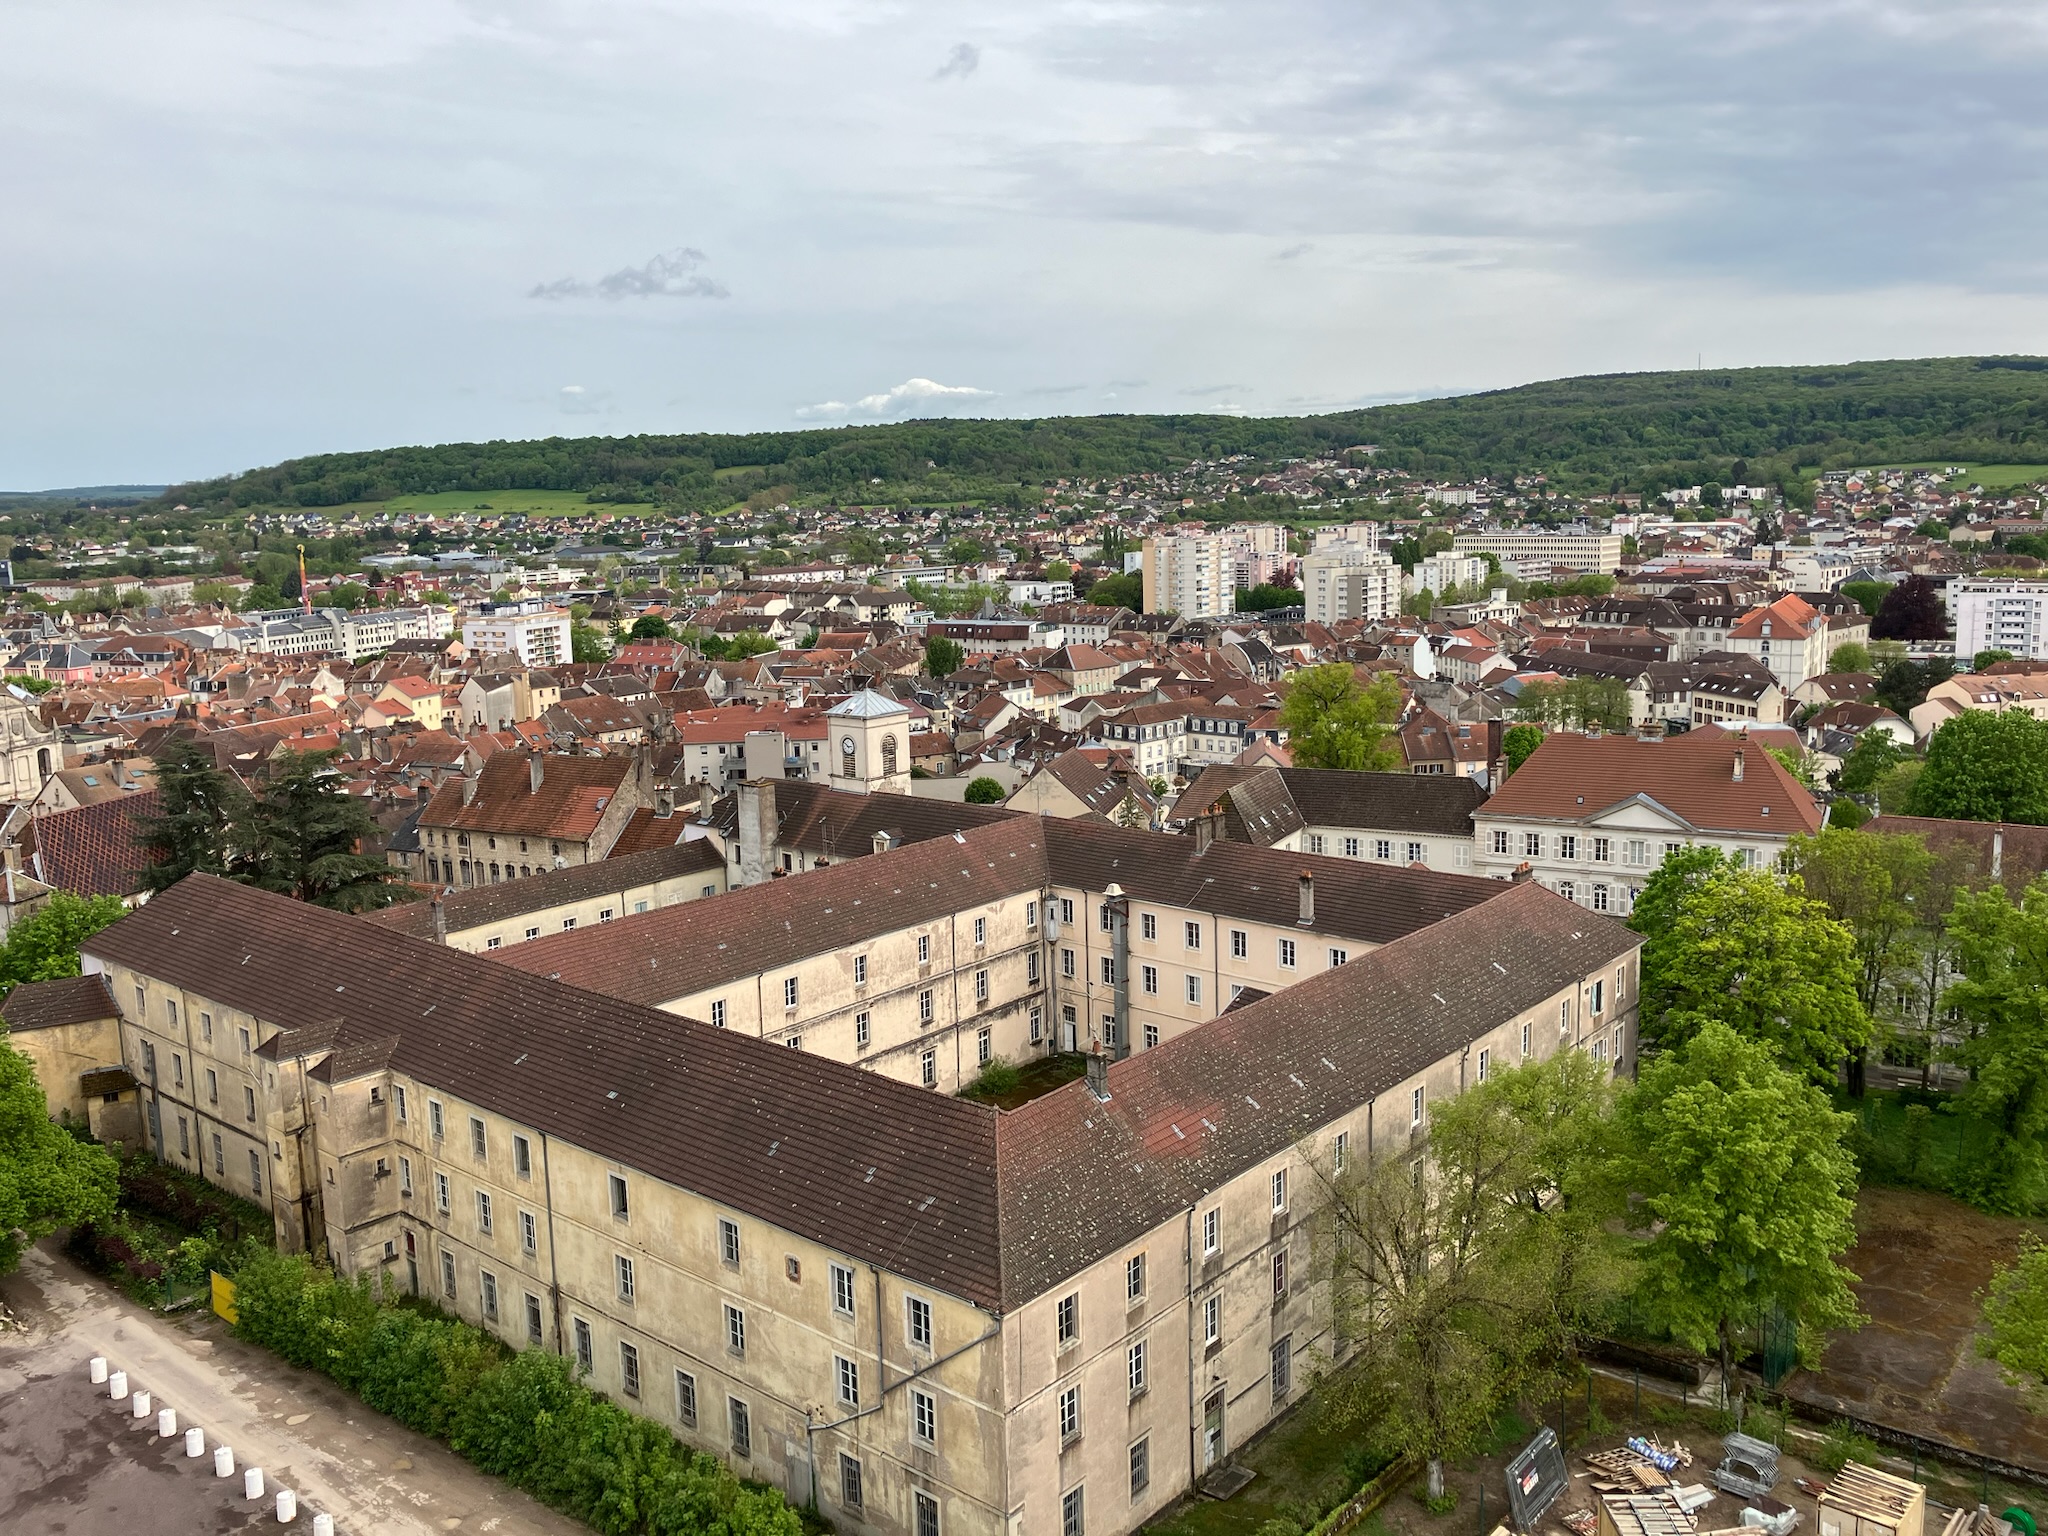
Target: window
{"x":1134,"y":1277}
{"x":529,"y":1233}
{"x":1636,"y":851}
{"x":849,"y":1381}
{"x":1315,"y":842}
{"x":488,"y":1283}
{"x":1603,"y":850}
{"x":1599,"y":1049}
{"x":1141,"y":1466}
{"x":249,"y":1104}
{"x":212,"y":1086}
{"x":742,"y":1427}
{"x":1567,"y":846}
{"x":404,"y":1175}
{"x":206,"y":1032}
{"x":1599,"y":996}
{"x":1600,"y":901}
{"x":686,"y":1398}
{"x":220,"y":1161}
{"x":585,"y":1357}
{"x":1287,"y":954}
{"x":1338,"y":956}
{"x":605,"y":915}
{"x":860,"y":970}
{"x":718,"y":1013}
{"x":177,"y":1070}
{"x":861,"y":1034}
{"x":533,"y":933}
{"x":1194,"y":988}
{"x":245,"y":1042}
{"x":1148,"y":978}
{"x":622,"y":1269}
{"x":1191,"y":935}
{"x":984,"y":1046}
{"x":441,"y":1193}
{"x":1283,"y":1366}
{"x":1532,"y":845}
{"x":1338,"y":1151}
{"x":533,"y":1318}
{"x":735,"y":1329}
{"x":1564,"y":1016}
{"x":728,"y":1241}
{"x":629,"y":1369}
{"x":620,"y":1208}
{"x":1037,"y":1018}
{"x":981,"y":930}
{"x":493,"y":942}
{"x":483,"y":1212}
{"x":789,"y":991}
{"x":842,"y":1290}
{"x":1134,"y":1368}
{"x":924,"y":948}
{"x":981,"y":982}
{"x":1151,"y":1036}
{"x":1069,"y":1315}
{"x":1484,"y":1057}
{"x":1568,"y":889}
{"x":1500,"y":840}
{"x":1070,"y":1414}
{"x":1352,"y":847}
{"x":1617,"y":1047}
{"x":448,"y":1274}
{"x":1109,"y":970}
{"x":185,"y":1143}
{"x":478,"y":1145}
{"x":1240,"y":944}
{"x":522,"y":1157}
{"x":927,"y":1514}
{"x":924,"y":1004}
{"x":1415,"y":1107}
{"x":1070,"y":1513}
{"x":1031,"y":914}
{"x":1067,"y":964}
{"x":1525,"y":1038}
{"x":1031,"y":966}
{"x":434,"y":1126}
{"x":1212,"y":1320}
{"x":928,"y":1068}
{"x":1280,"y":1273}
{"x":849,"y":1481}
{"x":1212,"y":1238}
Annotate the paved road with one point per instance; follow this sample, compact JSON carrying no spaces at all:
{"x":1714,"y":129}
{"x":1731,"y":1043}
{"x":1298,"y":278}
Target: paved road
{"x":71,"y":1464}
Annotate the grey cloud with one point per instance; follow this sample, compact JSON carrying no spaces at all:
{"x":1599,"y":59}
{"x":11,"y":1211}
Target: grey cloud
{"x":1301,"y":248}
{"x":671,"y":275}
{"x":1211,"y":389}
{"x":960,"y":63}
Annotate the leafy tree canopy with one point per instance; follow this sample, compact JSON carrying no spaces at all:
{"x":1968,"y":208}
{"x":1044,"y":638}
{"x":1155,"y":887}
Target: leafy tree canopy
{"x":1851,"y":657}
{"x":650,"y":626}
{"x":1874,"y":755}
{"x":1870,"y":594}
{"x":2015,"y":1331}
{"x":1984,"y":660}
{"x":48,"y":1177}
{"x":44,"y":946}
{"x":586,"y":643}
{"x":1986,"y":767}
{"x":943,"y":657}
{"x":1125,"y":591}
{"x":1517,"y":742}
{"x":1267,"y":596}
{"x":1333,"y":720}
{"x":2002,"y":996}
{"x":985,"y":791}
{"x":1912,"y":610}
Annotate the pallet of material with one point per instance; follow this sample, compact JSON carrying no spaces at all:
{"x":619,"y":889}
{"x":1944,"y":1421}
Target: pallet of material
{"x":1862,"y":1501}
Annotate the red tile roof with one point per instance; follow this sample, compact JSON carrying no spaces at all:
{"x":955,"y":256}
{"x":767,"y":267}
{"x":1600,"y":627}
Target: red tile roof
{"x":1571,"y":777}
{"x":572,"y":795}
{"x":92,"y":850}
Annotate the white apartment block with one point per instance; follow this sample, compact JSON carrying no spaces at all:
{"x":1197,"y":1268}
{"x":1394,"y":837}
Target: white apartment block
{"x":1349,"y":580}
{"x":534,"y":632}
{"x":1191,"y":574}
{"x":1991,"y":614}
{"x":1575,"y":549}
{"x":1439,"y":573}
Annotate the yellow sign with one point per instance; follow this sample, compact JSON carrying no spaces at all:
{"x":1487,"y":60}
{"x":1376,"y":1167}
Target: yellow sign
{"x":224,"y":1297}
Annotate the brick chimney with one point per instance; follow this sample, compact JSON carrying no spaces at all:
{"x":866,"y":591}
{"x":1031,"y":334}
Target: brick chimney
{"x":1098,"y":1074}
{"x":536,"y":770}
{"x":1308,"y":897}
{"x":440,"y":922}
{"x":1738,"y":765}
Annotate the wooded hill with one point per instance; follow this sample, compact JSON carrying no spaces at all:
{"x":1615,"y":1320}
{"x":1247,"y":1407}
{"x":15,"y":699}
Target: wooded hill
{"x":1636,"y":431}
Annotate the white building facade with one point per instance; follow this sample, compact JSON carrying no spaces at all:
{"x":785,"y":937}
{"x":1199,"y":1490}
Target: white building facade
{"x":1991,"y":614}
{"x":534,"y":632}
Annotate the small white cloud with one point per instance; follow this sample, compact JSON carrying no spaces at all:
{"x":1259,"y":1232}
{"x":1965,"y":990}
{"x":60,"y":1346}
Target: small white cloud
{"x":671,"y":275}
{"x":572,"y":389}
{"x":906,"y":398}
{"x":960,"y":63}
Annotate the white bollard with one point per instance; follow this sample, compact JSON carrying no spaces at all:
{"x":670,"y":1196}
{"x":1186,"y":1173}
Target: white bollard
{"x":223,"y":1461}
{"x":166,"y":1423}
{"x":323,"y":1525}
{"x":195,"y":1441}
{"x":252,"y":1483}
{"x":287,"y":1506}
{"x":142,"y":1405}
{"x":117,"y":1385}
{"x":97,"y":1367}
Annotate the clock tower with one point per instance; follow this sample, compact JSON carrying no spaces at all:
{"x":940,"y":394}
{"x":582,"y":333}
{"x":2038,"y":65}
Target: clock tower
{"x":868,"y":746}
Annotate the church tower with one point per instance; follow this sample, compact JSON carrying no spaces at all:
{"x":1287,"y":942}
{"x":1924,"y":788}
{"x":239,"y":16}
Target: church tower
{"x":869,"y":744}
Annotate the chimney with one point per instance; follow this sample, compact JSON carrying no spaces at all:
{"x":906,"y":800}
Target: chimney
{"x":1098,"y":1074}
{"x":468,"y":789}
{"x":1205,"y":832}
{"x":536,"y":770}
{"x":1997,"y":853}
{"x":440,"y":922}
{"x":759,"y":829}
{"x":426,"y":793}
{"x":1522,"y":872}
{"x":1308,"y":897}
{"x":1738,"y":765}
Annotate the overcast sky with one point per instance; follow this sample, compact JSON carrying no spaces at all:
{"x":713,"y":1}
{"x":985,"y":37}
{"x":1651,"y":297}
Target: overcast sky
{"x":235,"y":232}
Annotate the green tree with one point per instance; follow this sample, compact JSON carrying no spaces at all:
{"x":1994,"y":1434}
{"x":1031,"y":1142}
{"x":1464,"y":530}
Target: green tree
{"x":1875,"y":754}
{"x":1266,"y":597}
{"x":1748,"y":948}
{"x":1577,"y":704}
{"x":1986,"y":767}
{"x":587,"y":644}
{"x":2002,"y":1000}
{"x":1126,"y":591}
{"x":1747,"y":1189}
{"x":196,"y":803}
{"x":300,"y":835}
{"x":942,"y":656}
{"x":349,"y":595}
{"x":48,"y":1178}
{"x":1333,"y":720}
{"x":985,"y":791}
{"x":1868,"y":594}
{"x":1902,"y":684}
{"x":1984,"y":660}
{"x":1870,"y":884}
{"x":1852,"y":657}
{"x":650,"y":626}
{"x":45,"y":945}
{"x":2015,"y":1322}
{"x":1058,"y":570}
{"x":1517,"y":742}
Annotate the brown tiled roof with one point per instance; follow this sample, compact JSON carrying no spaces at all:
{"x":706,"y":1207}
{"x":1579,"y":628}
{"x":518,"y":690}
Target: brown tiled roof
{"x":91,"y":850}
{"x":1570,"y":777}
{"x":645,"y":831}
{"x":49,"y":1004}
{"x":1095,"y":787}
{"x":2022,"y":850}
{"x":838,"y":825}
{"x":892,"y":1174}
{"x":1440,"y":805}
{"x":1082,"y":1178}
{"x":571,"y":797}
{"x":493,"y":903}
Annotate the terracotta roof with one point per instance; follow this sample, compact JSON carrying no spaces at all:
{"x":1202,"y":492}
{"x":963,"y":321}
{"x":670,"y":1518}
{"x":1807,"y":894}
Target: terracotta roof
{"x":1190,"y":1114}
{"x":2022,"y":850}
{"x":92,"y":850}
{"x":52,"y":1004}
{"x":1436,"y":804}
{"x":892,"y":1174}
{"x":1571,"y":777}
{"x":572,"y":795}
{"x":493,"y":903}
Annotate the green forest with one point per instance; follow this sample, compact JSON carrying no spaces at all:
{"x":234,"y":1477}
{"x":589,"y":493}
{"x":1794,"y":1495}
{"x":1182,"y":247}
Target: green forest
{"x":1638,"y":431}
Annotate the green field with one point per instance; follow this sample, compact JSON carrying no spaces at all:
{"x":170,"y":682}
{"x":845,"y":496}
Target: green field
{"x":1993,"y":477}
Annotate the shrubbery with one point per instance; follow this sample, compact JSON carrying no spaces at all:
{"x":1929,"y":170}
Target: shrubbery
{"x":523,"y":1416}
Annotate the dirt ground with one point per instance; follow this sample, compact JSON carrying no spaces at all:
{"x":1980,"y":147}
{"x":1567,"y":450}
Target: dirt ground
{"x":73,"y":1463}
{"x":1924,"y":1260}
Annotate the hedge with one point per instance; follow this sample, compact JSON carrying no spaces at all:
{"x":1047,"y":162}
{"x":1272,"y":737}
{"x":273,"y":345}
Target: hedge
{"x":522,"y":1416}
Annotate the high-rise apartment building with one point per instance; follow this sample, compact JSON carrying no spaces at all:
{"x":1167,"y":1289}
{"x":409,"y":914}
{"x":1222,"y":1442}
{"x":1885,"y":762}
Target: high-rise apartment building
{"x":534,"y":632}
{"x":1349,"y":578}
{"x":1191,"y":574}
{"x":1574,"y":549}
{"x":1992,"y":614}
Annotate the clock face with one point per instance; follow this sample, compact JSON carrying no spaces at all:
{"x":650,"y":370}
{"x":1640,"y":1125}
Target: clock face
{"x":846,"y":743}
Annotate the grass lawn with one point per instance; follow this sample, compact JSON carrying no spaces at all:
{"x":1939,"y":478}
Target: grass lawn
{"x":1304,"y":1466}
{"x":1993,"y":477}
